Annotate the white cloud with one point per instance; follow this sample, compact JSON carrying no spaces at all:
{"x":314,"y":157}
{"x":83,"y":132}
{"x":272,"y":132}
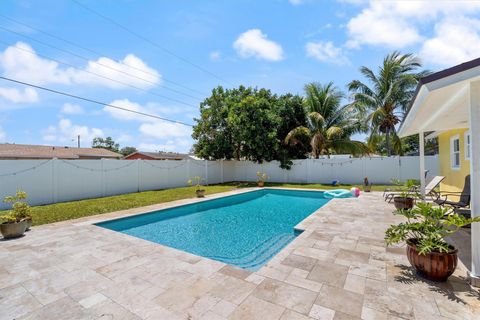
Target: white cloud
{"x":66,"y":131}
{"x":380,"y":25}
{"x":125,"y":115}
{"x":296,"y":2}
{"x":3,"y":135}
{"x":455,"y":41}
{"x":22,"y":63}
{"x":326,"y":51}
{"x":176,"y":145}
{"x":69,"y":108}
{"x":27,"y":95}
{"x":398,"y":24}
{"x":215,"y":55}
{"x":254,"y":43}
{"x":161,"y":129}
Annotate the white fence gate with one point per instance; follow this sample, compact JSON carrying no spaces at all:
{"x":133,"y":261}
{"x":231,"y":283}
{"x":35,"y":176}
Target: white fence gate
{"x":57,"y":180}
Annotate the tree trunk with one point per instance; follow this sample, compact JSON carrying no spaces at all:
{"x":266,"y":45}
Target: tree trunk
{"x":387,"y":142}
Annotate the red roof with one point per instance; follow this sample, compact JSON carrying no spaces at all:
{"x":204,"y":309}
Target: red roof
{"x":26,"y":151}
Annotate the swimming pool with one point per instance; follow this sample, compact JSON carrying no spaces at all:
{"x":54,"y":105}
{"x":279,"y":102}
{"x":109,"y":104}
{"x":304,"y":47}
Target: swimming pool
{"x":245,"y":230}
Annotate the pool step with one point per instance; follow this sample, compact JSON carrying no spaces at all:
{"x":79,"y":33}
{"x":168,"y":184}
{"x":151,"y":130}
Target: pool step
{"x":260,"y":254}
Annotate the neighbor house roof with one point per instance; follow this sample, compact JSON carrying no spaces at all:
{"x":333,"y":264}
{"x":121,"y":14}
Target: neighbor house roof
{"x":437,"y":95}
{"x":26,"y":151}
{"x":160,"y":155}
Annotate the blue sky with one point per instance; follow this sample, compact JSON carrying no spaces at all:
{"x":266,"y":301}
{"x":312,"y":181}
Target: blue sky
{"x":280,"y":45}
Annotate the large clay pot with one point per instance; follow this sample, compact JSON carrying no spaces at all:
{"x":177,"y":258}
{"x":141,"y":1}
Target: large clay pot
{"x":403,"y":203}
{"x":200,"y":193}
{"x":434,"y":266}
{"x":28,"y":222}
{"x":13,"y":230}
{"x":261,"y":183}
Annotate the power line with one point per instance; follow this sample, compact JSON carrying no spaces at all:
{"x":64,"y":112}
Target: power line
{"x":94,"y":62}
{"x":96,"y":52}
{"x":139,"y":36}
{"x":101,"y":76}
{"x":94,"y":101}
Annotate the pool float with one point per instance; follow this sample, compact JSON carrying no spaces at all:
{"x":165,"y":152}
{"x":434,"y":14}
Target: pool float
{"x":355,"y":192}
{"x":337,"y":193}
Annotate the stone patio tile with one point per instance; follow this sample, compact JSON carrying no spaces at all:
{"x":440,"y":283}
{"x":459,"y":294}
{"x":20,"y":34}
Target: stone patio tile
{"x":302,"y":282}
{"x":353,"y":256}
{"x":329,"y":273}
{"x":319,"y":254}
{"x":278,"y":272}
{"x":92,"y":300}
{"x":255,"y":278}
{"x":62,"y":309}
{"x":231,"y":289}
{"x":223,"y":308}
{"x":257,"y":309}
{"x":372,"y":314}
{"x":340,"y":300}
{"x":292,"y":315}
{"x":291,"y":297}
{"x":355,"y":283}
{"x":209,"y":315}
{"x":299,"y":273}
{"x":111,"y":310}
{"x":300,"y":262}
{"x":321,"y":313}
{"x":235,"y":272}
{"x":15,"y":301}
{"x":343,"y":316}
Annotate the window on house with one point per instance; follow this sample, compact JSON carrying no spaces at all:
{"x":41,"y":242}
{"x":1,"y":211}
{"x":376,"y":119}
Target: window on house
{"x":455,"y":152}
{"x":467,"y":145}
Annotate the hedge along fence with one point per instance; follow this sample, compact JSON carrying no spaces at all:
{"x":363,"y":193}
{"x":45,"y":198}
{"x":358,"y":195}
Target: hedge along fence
{"x":58,"y":180}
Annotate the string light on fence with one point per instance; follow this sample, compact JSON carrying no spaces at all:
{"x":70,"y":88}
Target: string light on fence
{"x":98,"y":170}
{"x":24,"y":170}
{"x":182,"y":163}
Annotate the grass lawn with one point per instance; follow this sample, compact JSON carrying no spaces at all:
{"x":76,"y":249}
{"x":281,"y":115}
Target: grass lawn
{"x":89,"y":207}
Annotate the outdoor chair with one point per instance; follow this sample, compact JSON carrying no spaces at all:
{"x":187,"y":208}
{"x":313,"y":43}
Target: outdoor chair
{"x":464,"y":197}
{"x":414,"y":190}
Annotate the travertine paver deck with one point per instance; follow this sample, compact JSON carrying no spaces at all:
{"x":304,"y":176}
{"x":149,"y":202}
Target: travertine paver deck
{"x":337,"y":269}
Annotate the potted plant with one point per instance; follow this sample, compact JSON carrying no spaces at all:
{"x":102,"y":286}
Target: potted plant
{"x":367,"y":186}
{"x":197,"y":182}
{"x":261,"y":178}
{"x":404,"y":201}
{"x":425,"y":233}
{"x":20,"y":208}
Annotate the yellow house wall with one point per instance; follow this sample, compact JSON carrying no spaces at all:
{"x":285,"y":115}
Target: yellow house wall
{"x":454,"y":179}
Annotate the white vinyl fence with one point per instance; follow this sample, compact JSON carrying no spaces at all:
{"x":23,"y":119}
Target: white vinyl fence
{"x":57,"y":180}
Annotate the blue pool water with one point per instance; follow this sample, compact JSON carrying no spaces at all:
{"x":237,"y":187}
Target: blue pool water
{"x":244,"y":230}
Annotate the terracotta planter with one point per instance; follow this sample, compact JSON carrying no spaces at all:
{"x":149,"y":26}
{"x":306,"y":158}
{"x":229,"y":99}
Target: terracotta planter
{"x":13,"y":230}
{"x":200,"y":193}
{"x":434,"y":266}
{"x":403,"y":203}
{"x":261,"y":184}
{"x":28,"y":221}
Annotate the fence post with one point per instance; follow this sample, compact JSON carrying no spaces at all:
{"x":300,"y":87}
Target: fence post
{"x":138,"y":175}
{"x":103,"y":177}
{"x":221,"y":170}
{"x":188,"y":169}
{"x":206,"y":172}
{"x":307,"y":169}
{"x":54,"y":180}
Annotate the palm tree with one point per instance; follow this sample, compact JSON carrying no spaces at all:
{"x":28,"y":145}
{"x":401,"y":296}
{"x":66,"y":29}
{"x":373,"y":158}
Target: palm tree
{"x":385,"y":102}
{"x":329,"y":125}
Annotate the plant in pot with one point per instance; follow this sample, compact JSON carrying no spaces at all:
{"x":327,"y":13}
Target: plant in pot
{"x":424,"y":232}
{"x":367,"y":186}
{"x":20,"y":208}
{"x":197,"y":183}
{"x":405,"y":200}
{"x":261,"y":178}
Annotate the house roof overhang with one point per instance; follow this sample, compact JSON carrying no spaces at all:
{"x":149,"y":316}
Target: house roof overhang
{"x":441,"y":101}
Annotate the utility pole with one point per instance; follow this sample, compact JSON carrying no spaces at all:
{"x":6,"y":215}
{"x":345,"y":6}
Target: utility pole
{"x":78,"y":141}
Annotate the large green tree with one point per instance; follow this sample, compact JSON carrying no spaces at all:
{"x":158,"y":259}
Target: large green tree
{"x":329,"y":125}
{"x":385,"y":97}
{"x":106,"y":143}
{"x":248,"y":123}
